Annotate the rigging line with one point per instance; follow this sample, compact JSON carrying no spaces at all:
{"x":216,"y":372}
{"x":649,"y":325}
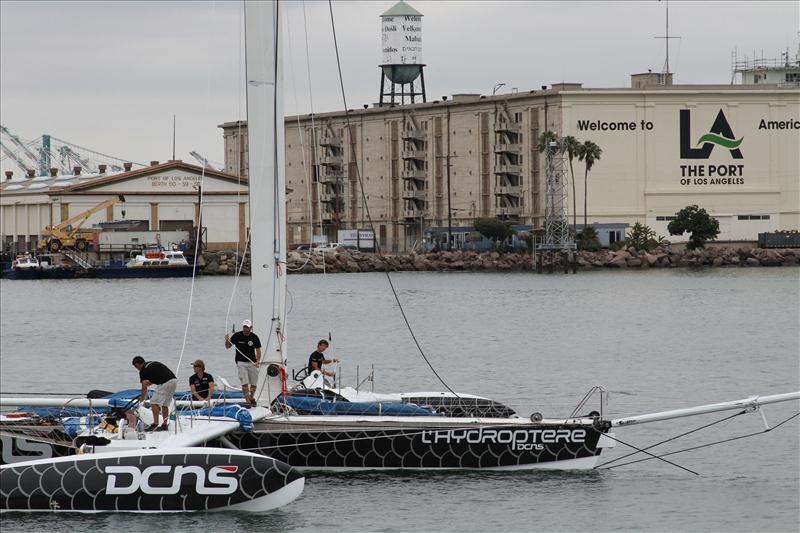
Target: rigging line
{"x":709,"y":444}
{"x":313,"y":140}
{"x":73,"y":394}
{"x":279,"y":190}
{"x":194,"y":271}
{"x":238,"y":168}
{"x":369,"y":216}
{"x":673,"y":438}
{"x":302,"y":145}
{"x":652,"y":456}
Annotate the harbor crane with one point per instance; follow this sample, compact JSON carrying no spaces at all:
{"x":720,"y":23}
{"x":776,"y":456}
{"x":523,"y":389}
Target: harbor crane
{"x":17,"y":159}
{"x":68,"y":233}
{"x":70,"y":157}
{"x":22,"y":147}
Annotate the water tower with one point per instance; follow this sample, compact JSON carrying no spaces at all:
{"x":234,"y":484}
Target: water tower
{"x":401,"y":45}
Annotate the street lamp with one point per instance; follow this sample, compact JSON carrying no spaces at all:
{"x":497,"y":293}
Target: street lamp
{"x":496,"y":86}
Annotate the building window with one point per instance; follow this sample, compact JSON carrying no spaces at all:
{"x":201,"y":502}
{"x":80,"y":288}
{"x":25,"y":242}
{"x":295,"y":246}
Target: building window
{"x":664,"y":219}
{"x":792,"y":77}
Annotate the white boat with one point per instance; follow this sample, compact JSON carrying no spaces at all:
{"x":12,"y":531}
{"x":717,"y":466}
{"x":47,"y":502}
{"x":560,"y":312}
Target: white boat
{"x":158,"y":258}
{"x":25,"y":262}
{"x":112,"y":464}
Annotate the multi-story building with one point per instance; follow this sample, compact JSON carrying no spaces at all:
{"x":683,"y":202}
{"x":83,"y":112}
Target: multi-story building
{"x":731,"y":149}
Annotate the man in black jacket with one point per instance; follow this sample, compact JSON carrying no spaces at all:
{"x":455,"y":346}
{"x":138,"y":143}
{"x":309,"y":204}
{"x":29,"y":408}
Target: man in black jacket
{"x":158,"y":374}
{"x":201,"y":383}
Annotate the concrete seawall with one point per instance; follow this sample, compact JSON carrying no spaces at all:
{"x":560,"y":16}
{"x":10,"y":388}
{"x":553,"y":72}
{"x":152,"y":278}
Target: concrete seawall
{"x":226,"y":263}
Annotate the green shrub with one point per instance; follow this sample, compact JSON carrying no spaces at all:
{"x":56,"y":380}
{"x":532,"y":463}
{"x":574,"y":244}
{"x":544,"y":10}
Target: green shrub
{"x":692,"y":219}
{"x":588,"y":240}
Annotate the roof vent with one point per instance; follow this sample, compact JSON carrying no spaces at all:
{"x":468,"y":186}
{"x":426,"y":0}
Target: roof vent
{"x":153,"y":163}
{"x":31,"y":173}
{"x":76,"y":171}
{"x":127,"y":166}
{"x":9,"y":174}
{"x":101,"y":169}
{"x":53,"y":172}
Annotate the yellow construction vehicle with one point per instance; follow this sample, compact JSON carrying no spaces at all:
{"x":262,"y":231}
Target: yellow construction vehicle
{"x":68,"y":233}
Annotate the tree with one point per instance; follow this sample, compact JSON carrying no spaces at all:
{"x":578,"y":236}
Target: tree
{"x":494,"y":229}
{"x":545,"y":139}
{"x":589,"y":153}
{"x":588,"y":240}
{"x":641,"y":237}
{"x":571,"y":146}
{"x":696,"y":221}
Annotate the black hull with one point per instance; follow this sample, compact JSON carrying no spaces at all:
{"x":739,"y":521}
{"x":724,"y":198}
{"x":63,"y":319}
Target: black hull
{"x":144,"y":272}
{"x":18,"y":449}
{"x":510,"y":447}
{"x":41,"y":273}
{"x":188,"y":479}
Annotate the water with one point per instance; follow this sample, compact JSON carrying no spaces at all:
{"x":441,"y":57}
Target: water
{"x":657,"y":339}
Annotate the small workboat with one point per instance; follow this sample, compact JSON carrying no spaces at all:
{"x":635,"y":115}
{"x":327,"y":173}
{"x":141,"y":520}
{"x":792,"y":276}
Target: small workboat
{"x":151,"y":263}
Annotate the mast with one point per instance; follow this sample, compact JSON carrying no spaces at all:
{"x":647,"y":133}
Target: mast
{"x":267,"y":186}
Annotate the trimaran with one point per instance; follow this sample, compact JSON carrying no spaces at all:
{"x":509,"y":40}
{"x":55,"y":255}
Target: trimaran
{"x":309,"y":425}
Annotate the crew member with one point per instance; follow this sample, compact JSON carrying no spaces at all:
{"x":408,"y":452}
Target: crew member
{"x":201,"y":382}
{"x":158,"y":374}
{"x":248,"y":354}
{"x":316,"y":359}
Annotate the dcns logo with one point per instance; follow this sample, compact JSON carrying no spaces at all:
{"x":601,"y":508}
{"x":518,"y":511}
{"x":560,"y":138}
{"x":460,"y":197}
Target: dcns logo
{"x":219,"y":476}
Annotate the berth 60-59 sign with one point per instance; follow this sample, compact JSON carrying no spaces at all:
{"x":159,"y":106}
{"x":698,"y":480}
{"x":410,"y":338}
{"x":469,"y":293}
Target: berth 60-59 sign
{"x":173,"y":181}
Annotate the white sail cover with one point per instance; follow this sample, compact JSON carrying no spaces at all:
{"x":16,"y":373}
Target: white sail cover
{"x":267,"y":187}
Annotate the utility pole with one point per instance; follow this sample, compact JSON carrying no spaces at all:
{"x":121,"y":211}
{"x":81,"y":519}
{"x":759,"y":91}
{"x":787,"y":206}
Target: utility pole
{"x":173,"y":137}
{"x":449,"y":210}
{"x":447,"y":157}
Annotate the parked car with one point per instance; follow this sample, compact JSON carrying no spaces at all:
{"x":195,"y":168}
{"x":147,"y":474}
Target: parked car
{"x":328,"y":246}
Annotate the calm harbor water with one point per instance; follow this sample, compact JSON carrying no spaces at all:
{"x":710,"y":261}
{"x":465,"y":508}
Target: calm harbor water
{"x":657,"y":340}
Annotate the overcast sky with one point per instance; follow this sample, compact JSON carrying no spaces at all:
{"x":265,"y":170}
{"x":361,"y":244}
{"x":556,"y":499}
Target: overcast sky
{"x":110,"y":75}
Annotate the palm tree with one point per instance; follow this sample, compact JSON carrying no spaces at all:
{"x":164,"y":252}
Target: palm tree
{"x":571,"y":145}
{"x":589,"y":152}
{"x":545,"y":139}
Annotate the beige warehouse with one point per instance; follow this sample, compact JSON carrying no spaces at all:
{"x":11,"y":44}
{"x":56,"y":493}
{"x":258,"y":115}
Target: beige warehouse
{"x":646,"y":173}
{"x":163,"y":195}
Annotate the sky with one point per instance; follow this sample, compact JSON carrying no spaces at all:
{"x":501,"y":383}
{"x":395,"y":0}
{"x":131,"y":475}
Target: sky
{"x":111,"y":75}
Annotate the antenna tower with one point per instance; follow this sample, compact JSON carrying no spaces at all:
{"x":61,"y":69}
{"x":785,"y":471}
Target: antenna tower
{"x":557,"y":236}
{"x":665,"y":71}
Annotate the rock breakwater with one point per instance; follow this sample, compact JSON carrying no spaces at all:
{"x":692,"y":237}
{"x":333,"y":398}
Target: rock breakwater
{"x":222,"y":263}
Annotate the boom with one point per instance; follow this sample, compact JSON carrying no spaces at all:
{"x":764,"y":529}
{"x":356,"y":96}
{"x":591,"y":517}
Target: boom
{"x":66,"y":234}
{"x":17,"y":159}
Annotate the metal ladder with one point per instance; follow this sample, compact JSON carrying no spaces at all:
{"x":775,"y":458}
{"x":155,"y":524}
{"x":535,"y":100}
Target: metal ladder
{"x":77,"y":259}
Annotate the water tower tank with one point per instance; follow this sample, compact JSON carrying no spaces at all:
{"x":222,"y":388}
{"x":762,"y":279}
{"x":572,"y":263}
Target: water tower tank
{"x":401,"y":40}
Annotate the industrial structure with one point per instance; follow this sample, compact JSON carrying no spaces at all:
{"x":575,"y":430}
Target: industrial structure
{"x":161,"y":200}
{"x":657,"y":158}
{"x":37,"y":157}
{"x":751,"y":70}
{"x":401,"y":49}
